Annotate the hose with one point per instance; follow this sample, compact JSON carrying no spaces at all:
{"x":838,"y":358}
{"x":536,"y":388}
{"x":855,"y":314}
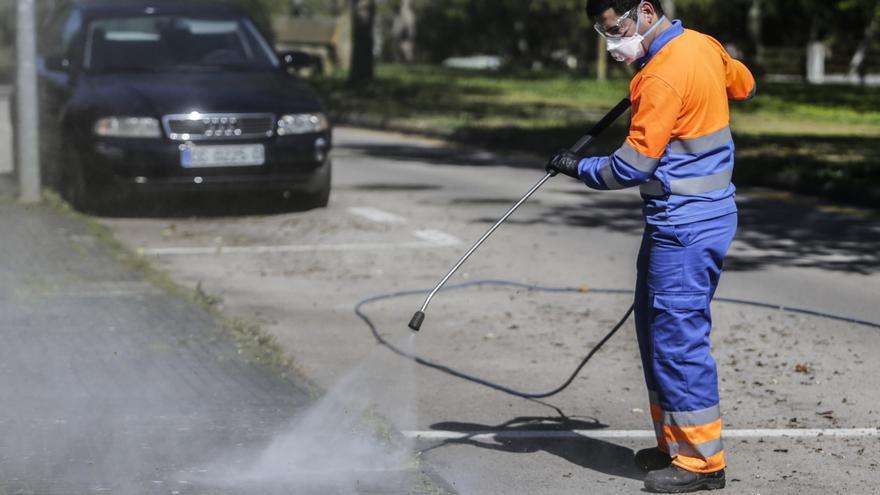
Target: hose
{"x":359,"y":311}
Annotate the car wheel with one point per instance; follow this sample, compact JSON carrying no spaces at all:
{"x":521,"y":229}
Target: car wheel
{"x":321,"y":198}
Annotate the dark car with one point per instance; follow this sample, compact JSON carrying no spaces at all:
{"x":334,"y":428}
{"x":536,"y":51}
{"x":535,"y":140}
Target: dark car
{"x":171,"y":96}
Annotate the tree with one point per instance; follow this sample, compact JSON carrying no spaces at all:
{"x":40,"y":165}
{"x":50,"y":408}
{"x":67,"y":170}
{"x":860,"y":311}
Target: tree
{"x":363,"y":17}
{"x":856,"y":64}
{"x":403,"y":32}
{"x":756,"y":32}
{"x":524,"y":33}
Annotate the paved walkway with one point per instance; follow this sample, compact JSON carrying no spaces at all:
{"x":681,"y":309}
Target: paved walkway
{"x":110,"y":385}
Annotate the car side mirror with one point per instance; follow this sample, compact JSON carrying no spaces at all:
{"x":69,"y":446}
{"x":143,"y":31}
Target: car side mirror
{"x":297,"y":60}
{"x":57,"y":63}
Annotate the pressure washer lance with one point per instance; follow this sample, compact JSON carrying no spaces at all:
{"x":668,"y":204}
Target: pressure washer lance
{"x":578,"y":148}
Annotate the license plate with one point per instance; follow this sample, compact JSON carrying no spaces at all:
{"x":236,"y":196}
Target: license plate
{"x":233,"y":155}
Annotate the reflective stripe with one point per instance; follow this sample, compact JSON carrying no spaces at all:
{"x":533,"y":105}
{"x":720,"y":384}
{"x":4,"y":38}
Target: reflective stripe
{"x":697,"y":465}
{"x":693,"y":434}
{"x":637,"y":160}
{"x":608,"y":176}
{"x":692,"y":418}
{"x":652,"y":188}
{"x":658,"y":430}
{"x":701,"y":451}
{"x":690,"y":187}
{"x":700,"y":185}
{"x":701,"y":144}
{"x":657,"y":416}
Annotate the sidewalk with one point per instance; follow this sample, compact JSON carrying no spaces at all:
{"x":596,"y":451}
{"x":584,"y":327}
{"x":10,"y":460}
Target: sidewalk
{"x":111,"y":385}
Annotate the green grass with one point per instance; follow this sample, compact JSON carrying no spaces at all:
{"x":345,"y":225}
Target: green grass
{"x":443,"y":98}
{"x":815,"y":139}
{"x":429,"y":97}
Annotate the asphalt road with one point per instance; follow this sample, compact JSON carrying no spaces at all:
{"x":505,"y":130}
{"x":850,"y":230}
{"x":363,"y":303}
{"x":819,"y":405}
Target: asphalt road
{"x":800,"y":393}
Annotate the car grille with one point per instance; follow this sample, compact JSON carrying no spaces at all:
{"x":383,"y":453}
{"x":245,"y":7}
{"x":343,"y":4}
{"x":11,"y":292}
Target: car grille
{"x":217,"y":126}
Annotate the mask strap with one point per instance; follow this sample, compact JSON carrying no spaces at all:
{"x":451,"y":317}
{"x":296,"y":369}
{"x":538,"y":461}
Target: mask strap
{"x":659,"y":21}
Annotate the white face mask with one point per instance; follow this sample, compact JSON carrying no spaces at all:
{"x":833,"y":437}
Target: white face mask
{"x":628,"y":49}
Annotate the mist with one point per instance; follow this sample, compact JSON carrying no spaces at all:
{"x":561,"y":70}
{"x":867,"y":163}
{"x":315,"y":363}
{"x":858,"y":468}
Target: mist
{"x":339,"y":444}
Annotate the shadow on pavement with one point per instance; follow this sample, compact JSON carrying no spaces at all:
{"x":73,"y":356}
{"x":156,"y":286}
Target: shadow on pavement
{"x":589,"y":453}
{"x":457,"y":155}
{"x":540,"y":143}
{"x":390,"y":187}
{"x":205,"y":205}
{"x":772,"y":232}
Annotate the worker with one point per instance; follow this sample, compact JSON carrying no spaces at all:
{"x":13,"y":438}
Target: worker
{"x":679,"y":152}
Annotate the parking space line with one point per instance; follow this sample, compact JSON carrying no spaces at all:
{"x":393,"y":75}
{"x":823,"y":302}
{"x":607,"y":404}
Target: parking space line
{"x":437,"y":238}
{"x":427,"y":239}
{"x":639,"y":434}
{"x":376,"y":215}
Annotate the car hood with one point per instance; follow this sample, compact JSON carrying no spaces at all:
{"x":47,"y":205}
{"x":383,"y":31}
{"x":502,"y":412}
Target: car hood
{"x":163,"y":94}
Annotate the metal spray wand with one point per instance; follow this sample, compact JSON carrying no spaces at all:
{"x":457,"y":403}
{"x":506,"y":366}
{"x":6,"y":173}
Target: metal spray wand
{"x":419,"y":317}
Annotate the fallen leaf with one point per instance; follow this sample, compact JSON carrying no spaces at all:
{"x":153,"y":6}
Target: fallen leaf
{"x":803,"y":368}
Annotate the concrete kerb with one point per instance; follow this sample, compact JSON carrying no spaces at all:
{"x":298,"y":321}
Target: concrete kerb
{"x":248,"y":335}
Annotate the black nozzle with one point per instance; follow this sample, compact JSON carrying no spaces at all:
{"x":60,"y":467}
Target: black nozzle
{"x":416,"y":323}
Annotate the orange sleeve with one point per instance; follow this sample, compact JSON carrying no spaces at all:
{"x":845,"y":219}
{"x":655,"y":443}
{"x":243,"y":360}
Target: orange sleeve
{"x":741,"y":83}
{"x":655,"y":109}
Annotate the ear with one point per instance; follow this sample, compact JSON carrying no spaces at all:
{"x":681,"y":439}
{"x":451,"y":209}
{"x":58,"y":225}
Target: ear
{"x":647,"y":10}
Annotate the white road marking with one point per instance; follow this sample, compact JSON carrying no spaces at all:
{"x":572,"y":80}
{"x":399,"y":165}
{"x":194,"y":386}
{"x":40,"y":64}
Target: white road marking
{"x":428,"y":239}
{"x":376,"y":215}
{"x":436,"y":237}
{"x":640,"y":434}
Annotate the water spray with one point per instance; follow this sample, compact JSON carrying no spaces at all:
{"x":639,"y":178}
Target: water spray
{"x":419,"y":317}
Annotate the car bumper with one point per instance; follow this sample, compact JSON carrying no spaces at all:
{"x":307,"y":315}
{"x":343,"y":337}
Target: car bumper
{"x":123,"y":167}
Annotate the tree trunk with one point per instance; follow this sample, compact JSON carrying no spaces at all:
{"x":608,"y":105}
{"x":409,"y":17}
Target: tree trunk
{"x":856,"y":64}
{"x":403,"y":33}
{"x":669,"y":9}
{"x":601,"y":59}
{"x":363,"y":16}
{"x":756,"y":32}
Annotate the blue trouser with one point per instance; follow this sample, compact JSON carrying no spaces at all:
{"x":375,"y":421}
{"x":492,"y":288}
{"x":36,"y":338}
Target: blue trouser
{"x":678,"y":271}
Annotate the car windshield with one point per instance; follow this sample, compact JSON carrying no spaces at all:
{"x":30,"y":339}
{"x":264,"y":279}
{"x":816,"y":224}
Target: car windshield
{"x":173,"y":43}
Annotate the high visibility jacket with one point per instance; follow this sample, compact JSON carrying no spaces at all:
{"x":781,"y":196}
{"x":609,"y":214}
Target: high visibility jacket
{"x":680,"y":149}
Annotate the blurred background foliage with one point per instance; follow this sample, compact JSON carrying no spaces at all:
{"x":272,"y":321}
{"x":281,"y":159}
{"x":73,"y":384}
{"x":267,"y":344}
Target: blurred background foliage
{"x":548,"y":33}
{"x":822,"y":139}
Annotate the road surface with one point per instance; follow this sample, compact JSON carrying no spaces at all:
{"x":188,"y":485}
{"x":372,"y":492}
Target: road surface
{"x":800,"y":393}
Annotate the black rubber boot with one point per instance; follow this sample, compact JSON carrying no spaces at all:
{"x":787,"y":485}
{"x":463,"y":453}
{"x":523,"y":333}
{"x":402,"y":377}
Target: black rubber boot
{"x":652,"y":459}
{"x":677,"y":480}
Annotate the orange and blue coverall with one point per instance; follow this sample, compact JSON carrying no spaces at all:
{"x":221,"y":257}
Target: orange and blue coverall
{"x":680,"y":153}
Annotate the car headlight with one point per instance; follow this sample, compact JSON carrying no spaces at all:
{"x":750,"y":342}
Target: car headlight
{"x":302,"y":123}
{"x":128,"y":127}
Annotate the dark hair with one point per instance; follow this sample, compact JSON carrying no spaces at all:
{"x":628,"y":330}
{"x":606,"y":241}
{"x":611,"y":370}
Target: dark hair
{"x":597,"y":7}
